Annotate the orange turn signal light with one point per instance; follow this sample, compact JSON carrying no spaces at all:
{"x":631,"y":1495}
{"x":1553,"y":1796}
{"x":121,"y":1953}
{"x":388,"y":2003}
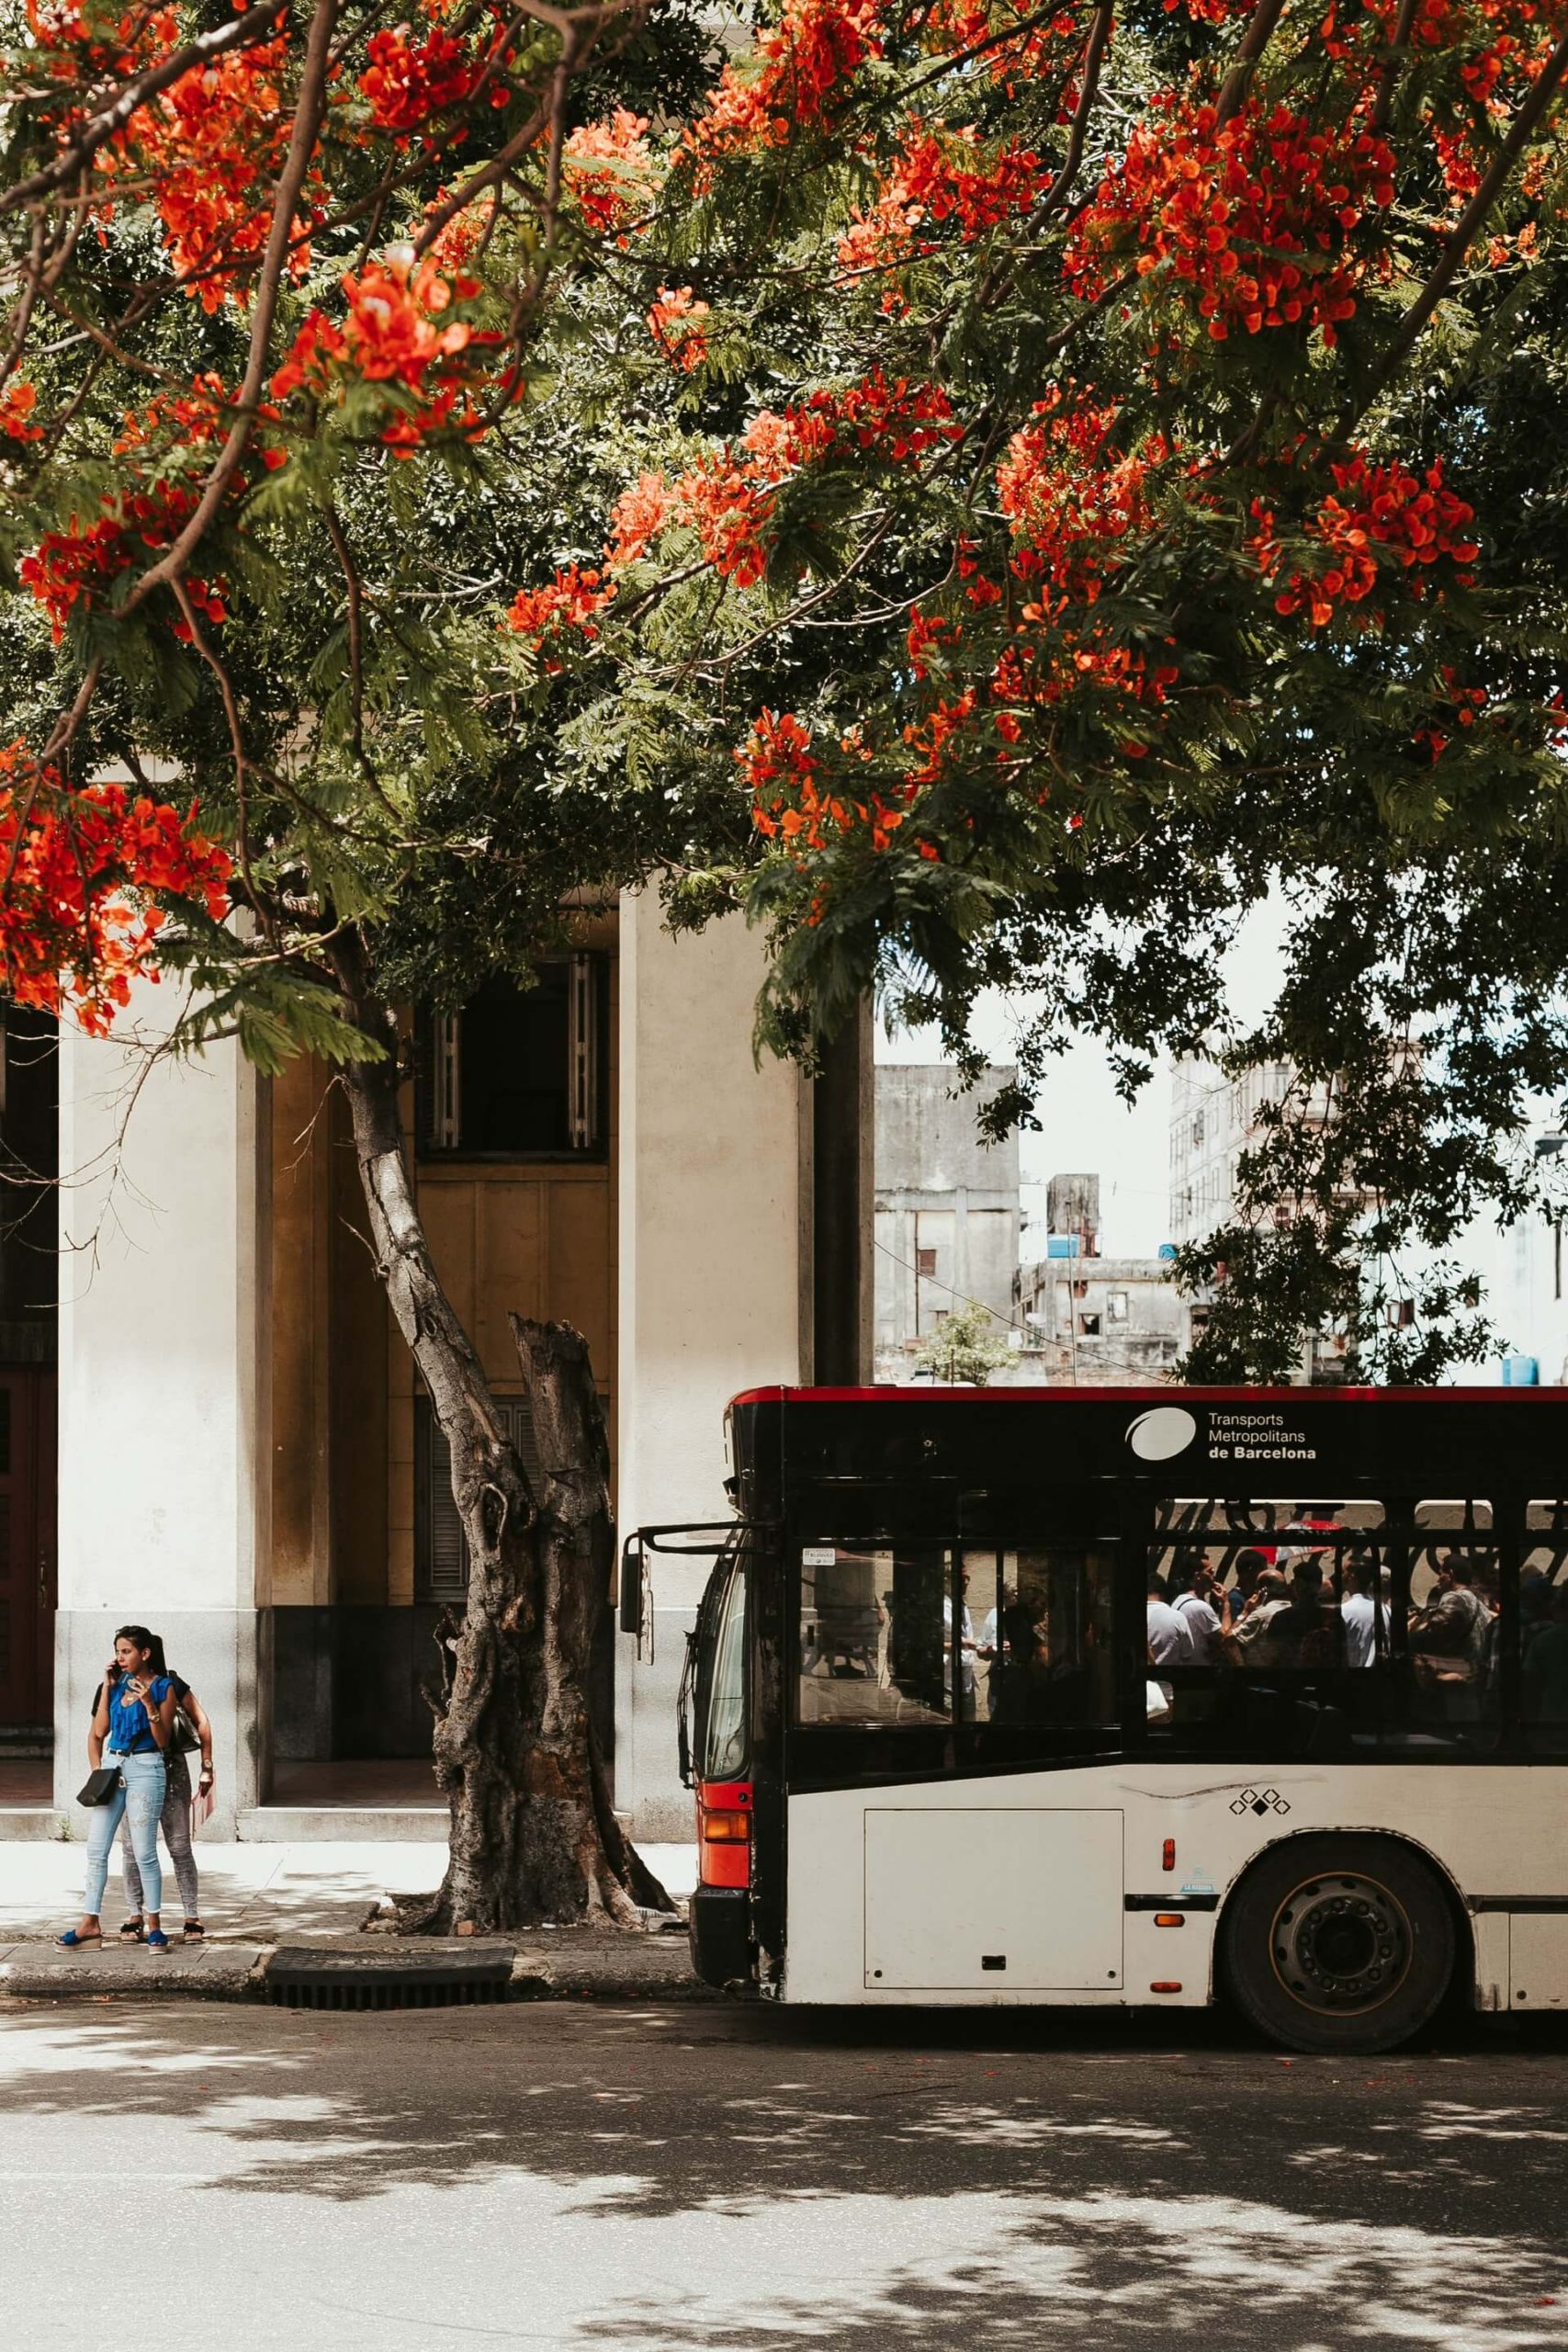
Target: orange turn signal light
{"x":1170,"y":1918}
{"x":721,"y":1827}
{"x":1165,"y":1988}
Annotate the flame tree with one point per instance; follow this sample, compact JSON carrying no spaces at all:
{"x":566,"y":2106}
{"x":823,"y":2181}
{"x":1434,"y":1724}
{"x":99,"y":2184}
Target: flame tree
{"x":988,"y":490}
{"x":1118,"y":483}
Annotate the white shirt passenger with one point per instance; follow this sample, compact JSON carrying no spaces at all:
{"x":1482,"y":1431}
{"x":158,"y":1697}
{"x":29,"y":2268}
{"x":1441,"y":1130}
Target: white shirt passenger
{"x":1359,"y":1614}
{"x":1203,"y":1627}
{"x":1171,"y":1643}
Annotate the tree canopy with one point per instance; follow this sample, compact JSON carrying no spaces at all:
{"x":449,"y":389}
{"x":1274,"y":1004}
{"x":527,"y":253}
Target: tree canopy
{"x":996,"y":493}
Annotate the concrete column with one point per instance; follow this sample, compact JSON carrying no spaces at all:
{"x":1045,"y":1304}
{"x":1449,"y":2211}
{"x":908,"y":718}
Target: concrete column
{"x":844,"y":1192}
{"x":165,"y":1485}
{"x":710,"y":1214}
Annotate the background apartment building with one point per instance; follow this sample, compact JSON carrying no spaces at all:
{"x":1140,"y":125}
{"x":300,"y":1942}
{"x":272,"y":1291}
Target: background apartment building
{"x":947,"y":1208}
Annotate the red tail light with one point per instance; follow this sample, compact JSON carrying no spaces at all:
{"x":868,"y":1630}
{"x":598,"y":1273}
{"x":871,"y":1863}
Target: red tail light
{"x":724,"y":1833}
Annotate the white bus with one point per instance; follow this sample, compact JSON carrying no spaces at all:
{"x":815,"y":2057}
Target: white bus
{"x":947,"y":1748}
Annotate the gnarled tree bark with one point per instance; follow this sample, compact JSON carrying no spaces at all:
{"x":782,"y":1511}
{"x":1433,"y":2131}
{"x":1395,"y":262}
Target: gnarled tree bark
{"x":533,"y":1834}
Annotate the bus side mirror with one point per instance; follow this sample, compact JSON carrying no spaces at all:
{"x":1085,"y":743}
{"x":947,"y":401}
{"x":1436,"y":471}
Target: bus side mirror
{"x":632,"y":1577}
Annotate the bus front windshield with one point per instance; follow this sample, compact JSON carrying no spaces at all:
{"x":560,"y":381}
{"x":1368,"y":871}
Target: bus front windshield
{"x":723,"y":1753}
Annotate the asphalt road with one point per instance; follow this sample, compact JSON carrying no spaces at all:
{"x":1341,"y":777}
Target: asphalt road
{"x":678,"y":2181}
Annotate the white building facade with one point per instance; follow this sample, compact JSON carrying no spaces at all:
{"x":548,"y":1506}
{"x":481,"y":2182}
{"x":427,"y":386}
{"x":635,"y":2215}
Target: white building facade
{"x":243,"y":1460}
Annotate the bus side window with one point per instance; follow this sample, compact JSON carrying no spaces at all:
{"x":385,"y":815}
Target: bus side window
{"x":876,"y":1625}
{"x":1543,"y":1629}
{"x":1044,"y":1642}
{"x":1265,"y":1589}
{"x":1448,"y":1603}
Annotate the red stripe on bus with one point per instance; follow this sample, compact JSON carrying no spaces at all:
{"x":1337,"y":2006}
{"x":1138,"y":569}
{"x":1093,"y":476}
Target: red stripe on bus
{"x":921,"y":1394}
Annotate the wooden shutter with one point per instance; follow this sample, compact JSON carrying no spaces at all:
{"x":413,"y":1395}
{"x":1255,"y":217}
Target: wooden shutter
{"x":441,"y":1549}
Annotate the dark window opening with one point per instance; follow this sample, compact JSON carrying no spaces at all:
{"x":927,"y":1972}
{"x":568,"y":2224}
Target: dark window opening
{"x":925,"y":1264}
{"x":29,"y":1205}
{"x":519,"y":1073}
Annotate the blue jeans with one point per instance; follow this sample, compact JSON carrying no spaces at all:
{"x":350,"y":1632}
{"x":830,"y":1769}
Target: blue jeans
{"x":140,"y":1799}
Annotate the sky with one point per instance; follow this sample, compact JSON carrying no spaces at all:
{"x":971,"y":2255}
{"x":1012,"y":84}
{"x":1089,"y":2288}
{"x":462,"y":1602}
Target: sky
{"x":1084,"y":1127}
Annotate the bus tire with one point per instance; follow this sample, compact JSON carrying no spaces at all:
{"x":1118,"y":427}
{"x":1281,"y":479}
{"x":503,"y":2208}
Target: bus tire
{"x":1336,"y":1943}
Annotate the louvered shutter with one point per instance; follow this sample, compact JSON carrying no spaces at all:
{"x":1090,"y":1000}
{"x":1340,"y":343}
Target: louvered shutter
{"x":441,"y":1554}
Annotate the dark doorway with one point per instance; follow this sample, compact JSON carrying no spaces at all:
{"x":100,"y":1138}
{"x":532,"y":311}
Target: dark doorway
{"x":29,"y":1290}
{"x":26,"y":1559}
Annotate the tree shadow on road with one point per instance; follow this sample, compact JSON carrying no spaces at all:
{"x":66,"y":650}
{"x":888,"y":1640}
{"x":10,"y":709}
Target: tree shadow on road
{"x":891,"y":2184}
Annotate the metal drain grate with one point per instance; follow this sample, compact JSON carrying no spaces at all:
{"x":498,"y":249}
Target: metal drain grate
{"x":350,"y":1980}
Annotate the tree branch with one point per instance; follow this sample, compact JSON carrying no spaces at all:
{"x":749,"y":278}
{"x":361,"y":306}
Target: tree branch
{"x":1393,"y":65}
{"x":1099,"y":34}
{"x":297,"y":163}
{"x":1239,"y":81}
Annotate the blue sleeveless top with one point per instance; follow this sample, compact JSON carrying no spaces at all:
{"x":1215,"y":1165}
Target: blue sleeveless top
{"x":129,"y":1732}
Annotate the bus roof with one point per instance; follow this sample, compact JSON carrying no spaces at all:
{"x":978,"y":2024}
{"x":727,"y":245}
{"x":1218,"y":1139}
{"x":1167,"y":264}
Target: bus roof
{"x":1011,"y":1393}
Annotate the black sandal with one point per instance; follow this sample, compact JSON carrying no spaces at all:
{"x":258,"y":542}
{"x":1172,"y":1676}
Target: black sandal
{"x":133,"y":1931}
{"x":192,"y":1932}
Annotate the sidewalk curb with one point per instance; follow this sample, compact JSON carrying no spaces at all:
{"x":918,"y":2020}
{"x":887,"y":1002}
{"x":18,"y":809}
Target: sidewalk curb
{"x":551,"y":1967}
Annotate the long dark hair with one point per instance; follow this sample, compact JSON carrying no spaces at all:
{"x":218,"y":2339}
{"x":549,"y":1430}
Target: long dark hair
{"x":152,"y":1643}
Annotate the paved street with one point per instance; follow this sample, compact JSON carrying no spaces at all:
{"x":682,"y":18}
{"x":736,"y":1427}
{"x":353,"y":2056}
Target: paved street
{"x":678,"y":2181}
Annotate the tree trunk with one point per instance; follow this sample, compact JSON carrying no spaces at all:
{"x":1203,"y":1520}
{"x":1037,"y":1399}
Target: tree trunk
{"x":533,"y":1835}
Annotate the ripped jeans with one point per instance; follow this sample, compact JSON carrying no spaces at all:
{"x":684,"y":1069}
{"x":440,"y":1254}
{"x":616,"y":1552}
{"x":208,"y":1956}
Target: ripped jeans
{"x":140,"y":1797}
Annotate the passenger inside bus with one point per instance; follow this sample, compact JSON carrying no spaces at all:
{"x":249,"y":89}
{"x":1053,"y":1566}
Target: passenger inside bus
{"x":1314,"y":1608}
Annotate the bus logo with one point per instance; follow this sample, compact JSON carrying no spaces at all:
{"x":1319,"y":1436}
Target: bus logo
{"x":1160,"y":1435}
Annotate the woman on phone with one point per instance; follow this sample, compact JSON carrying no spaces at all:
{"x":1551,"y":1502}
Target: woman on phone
{"x":134,"y":1720}
{"x":175,"y":1821}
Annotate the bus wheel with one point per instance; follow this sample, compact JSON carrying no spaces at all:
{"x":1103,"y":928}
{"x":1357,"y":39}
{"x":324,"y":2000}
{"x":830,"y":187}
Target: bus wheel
{"x":1339,"y":1943}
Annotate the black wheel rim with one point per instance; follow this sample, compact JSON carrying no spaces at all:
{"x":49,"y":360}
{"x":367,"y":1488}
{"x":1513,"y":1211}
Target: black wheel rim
{"x":1341,"y":1945}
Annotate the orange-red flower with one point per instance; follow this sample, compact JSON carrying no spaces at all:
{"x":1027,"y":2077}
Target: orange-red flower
{"x":938,"y":177}
{"x":16,"y":405}
{"x":1418,"y":522}
{"x":1072,"y":497}
{"x":639,"y":516}
{"x":608,"y":169}
{"x":212,"y":147}
{"x":789,"y":81}
{"x":788,"y":803}
{"x":674,"y":325}
{"x":1254,"y":217}
{"x":398,"y":331}
{"x":408,"y":82}
{"x":84,"y":870}
{"x":568,"y":601}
